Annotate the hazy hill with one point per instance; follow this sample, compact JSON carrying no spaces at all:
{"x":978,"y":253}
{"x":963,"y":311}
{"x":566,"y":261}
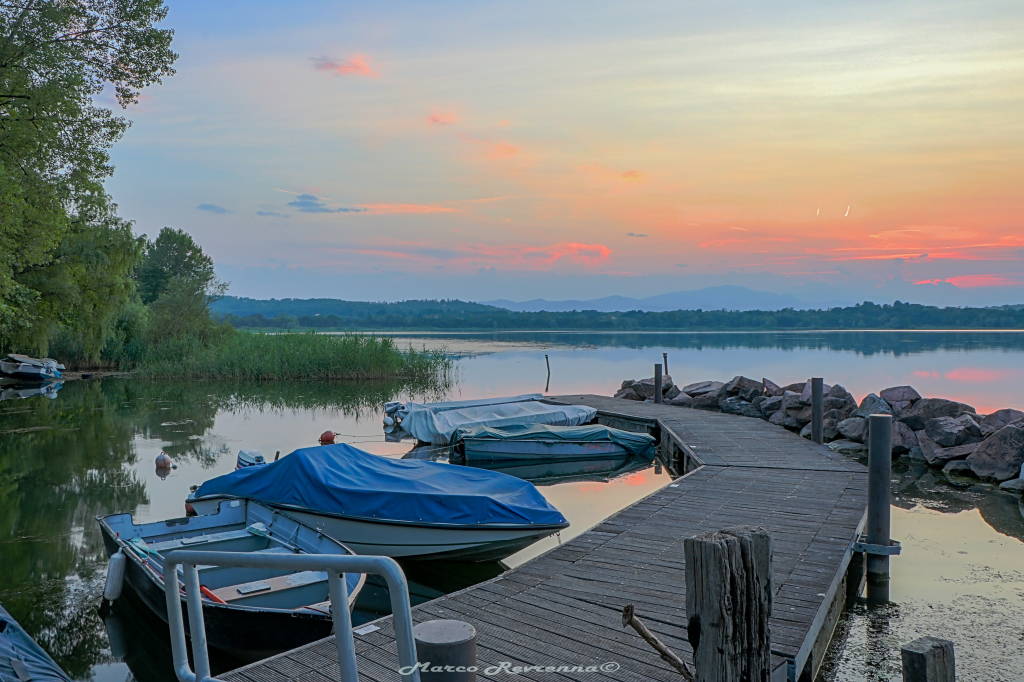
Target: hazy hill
{"x":726,"y":297}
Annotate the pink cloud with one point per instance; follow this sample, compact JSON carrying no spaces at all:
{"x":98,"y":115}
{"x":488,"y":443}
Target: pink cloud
{"x":502,"y":150}
{"x":468,"y":256}
{"x":356,"y":65}
{"x":977,"y":375}
{"x":974,"y":281}
{"x":391,"y":209}
{"x":443,"y":118}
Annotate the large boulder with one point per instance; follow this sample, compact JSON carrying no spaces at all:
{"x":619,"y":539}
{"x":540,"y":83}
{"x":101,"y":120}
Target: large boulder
{"x":999,"y":457}
{"x":805,"y":394}
{"x":991,"y":423}
{"x":783,"y":418}
{"x":797,"y":388}
{"x":770,"y":387}
{"x":700,"y":388}
{"x":854,"y":428}
{"x":839,"y":391}
{"x":848,"y":447}
{"x":792,"y":401}
{"x":924,"y":409}
{"x":907,"y":394}
{"x":645,"y":387}
{"x":706,"y":401}
{"x":628,"y":393}
{"x":828,"y":430}
{"x":872,"y":404}
{"x":737,"y":405}
{"x":670,"y":392}
{"x":903,"y":438}
{"x":681,"y":400}
{"x":771,"y":405}
{"x":745,"y":388}
{"x":950,"y":431}
{"x":1014,"y":485}
{"x":936,"y":455}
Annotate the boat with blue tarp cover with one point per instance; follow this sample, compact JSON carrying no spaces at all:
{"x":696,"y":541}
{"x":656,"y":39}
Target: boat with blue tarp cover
{"x":541,"y":442}
{"x":249,"y":612}
{"x":21,"y":657}
{"x":395,"y":507}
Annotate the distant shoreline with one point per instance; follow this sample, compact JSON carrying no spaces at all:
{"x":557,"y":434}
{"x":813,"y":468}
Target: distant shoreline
{"x":433,"y":331}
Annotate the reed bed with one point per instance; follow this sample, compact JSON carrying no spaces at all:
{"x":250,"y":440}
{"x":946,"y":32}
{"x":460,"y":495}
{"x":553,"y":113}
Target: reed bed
{"x":277,"y":357}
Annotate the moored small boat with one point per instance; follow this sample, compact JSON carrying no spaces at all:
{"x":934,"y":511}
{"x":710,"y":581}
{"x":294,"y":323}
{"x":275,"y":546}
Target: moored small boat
{"x":568,"y":471}
{"x":395,"y":507}
{"x":21,"y":657}
{"x":541,"y":443}
{"x":26,"y":368}
{"x":248,"y":612}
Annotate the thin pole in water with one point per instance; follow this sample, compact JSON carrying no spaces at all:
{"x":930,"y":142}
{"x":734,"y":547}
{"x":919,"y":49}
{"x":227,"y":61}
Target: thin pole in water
{"x":664,"y":361}
{"x":547,"y":384}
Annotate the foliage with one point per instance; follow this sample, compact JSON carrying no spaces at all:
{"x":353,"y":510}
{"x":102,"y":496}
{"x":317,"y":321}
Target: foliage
{"x":174,"y":255}
{"x":273,"y":357}
{"x":409,"y":315}
{"x":65,"y":257}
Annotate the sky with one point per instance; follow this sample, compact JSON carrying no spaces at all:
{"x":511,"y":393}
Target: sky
{"x":479,"y":150}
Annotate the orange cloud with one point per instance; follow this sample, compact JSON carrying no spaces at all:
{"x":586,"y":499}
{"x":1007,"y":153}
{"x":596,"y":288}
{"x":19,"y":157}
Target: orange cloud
{"x":469,"y":256}
{"x":502,"y":150}
{"x":391,"y":209}
{"x":356,"y":65}
{"x":974,"y":281}
{"x":977,"y":375}
{"x":443,"y":118}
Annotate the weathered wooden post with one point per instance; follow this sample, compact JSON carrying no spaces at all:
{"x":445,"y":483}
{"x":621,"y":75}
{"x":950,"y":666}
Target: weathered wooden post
{"x":664,"y":361}
{"x":728,"y":603}
{"x":878,"y":530}
{"x":817,"y":409}
{"x":547,"y":384}
{"x":657,"y":382}
{"x":446,"y":650}
{"x":928,"y":659}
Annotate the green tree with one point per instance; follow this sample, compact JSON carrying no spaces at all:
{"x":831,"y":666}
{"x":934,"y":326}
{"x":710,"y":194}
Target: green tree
{"x":174,"y":254}
{"x":65,"y":256}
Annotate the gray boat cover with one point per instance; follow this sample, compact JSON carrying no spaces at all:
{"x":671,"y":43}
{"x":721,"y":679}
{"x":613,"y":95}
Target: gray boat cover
{"x":21,"y":658}
{"x":634,"y":443}
{"x":437,"y":426}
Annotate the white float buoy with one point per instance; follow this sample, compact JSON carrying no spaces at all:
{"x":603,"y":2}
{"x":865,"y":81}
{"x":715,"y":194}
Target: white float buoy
{"x":115,"y":576}
{"x":388,"y":421}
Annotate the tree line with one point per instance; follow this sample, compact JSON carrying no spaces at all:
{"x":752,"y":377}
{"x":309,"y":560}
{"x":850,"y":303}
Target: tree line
{"x":451,"y":315}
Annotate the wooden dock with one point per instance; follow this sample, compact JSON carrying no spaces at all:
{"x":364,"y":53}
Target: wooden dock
{"x":564,"y":607}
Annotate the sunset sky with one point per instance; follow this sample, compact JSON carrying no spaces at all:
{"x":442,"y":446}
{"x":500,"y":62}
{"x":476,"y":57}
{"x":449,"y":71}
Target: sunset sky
{"x":477,"y":150}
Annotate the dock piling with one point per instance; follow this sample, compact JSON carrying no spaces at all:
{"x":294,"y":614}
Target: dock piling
{"x":657,"y":382}
{"x":817,"y":409}
{"x":928,"y":659}
{"x":446,"y":650}
{"x":664,"y":361}
{"x":878,"y":523}
{"x":728,"y":603}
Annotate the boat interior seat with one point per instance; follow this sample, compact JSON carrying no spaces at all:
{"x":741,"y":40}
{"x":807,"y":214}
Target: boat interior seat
{"x":214,"y":577}
{"x":255,"y":591}
{"x":239,"y":540}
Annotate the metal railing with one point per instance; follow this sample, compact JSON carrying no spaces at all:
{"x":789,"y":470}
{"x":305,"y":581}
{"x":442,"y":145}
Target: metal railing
{"x":333,"y":564}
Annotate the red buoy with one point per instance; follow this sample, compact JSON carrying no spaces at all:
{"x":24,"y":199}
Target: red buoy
{"x":327,"y":438}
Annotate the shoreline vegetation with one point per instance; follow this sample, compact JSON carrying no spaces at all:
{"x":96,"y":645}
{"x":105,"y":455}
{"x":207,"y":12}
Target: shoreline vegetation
{"x":453,"y":315}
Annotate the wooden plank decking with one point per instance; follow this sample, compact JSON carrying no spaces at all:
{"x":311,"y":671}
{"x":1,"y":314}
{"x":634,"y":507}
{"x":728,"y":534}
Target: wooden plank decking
{"x":564,"y":607}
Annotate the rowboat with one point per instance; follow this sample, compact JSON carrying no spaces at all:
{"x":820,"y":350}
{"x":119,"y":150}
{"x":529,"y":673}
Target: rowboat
{"x":542,"y":443}
{"x":25,"y":368}
{"x":249,"y":612}
{"x":569,"y":471}
{"x":394,"y":507}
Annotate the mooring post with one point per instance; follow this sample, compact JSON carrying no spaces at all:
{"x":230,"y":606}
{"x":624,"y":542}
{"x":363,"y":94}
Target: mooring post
{"x":817,"y":409}
{"x":878,"y":531}
{"x":446,"y":650}
{"x":728,"y":602}
{"x":928,"y":659}
{"x":657,"y":382}
{"x":664,"y":361}
{"x":547,"y":384}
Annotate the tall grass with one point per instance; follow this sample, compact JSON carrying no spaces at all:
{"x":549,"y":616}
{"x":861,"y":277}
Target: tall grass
{"x":275,"y":357}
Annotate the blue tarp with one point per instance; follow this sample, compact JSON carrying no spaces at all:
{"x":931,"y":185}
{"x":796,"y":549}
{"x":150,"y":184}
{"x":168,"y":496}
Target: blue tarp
{"x":344,"y":481}
{"x":21,"y":655}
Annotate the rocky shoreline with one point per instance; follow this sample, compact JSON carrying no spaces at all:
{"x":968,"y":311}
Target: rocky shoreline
{"x":946,"y":434}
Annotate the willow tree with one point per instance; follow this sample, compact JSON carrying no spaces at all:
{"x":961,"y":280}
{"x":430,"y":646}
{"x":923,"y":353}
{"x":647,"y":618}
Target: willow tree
{"x":66,"y":258}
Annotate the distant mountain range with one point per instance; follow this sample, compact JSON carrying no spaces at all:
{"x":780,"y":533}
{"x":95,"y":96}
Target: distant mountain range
{"x":726,"y":297}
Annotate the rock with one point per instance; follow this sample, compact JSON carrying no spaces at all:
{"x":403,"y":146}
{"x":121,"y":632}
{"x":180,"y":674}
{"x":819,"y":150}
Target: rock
{"x":936,"y":455}
{"x":998,"y":419}
{"x":999,"y":457}
{"x":839,"y":391}
{"x":903,"y":438}
{"x":745,"y":388}
{"x":805,"y":394}
{"x":670,"y":392}
{"x":770,"y":387}
{"x":872,"y":404}
{"x":706,"y":401}
{"x":950,"y":431}
{"x":1014,"y":485}
{"x":828,"y":430}
{"x":958,"y":468}
{"x":628,"y":394}
{"x":854,"y":428}
{"x":928,"y":408}
{"x":848,"y":447}
{"x":783,"y":418}
{"x":645,"y":387}
{"x":770,"y":405}
{"x":681,"y":400}
{"x":899,"y":394}
{"x":836,"y":403}
{"x":737,"y":405}
{"x":835,"y":415}
{"x":791,"y":401}
{"x":802,"y":415}
{"x":627,"y":384}
{"x":777,"y":417}
{"x":795,"y":388}
{"x":899,"y":405}
{"x":700,"y":388}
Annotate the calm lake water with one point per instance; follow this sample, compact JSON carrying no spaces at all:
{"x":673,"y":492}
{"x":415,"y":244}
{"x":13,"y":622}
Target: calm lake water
{"x":90,"y":451}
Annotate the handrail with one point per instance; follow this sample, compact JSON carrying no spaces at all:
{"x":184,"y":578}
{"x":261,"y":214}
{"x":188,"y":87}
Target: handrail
{"x":334,"y":564}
